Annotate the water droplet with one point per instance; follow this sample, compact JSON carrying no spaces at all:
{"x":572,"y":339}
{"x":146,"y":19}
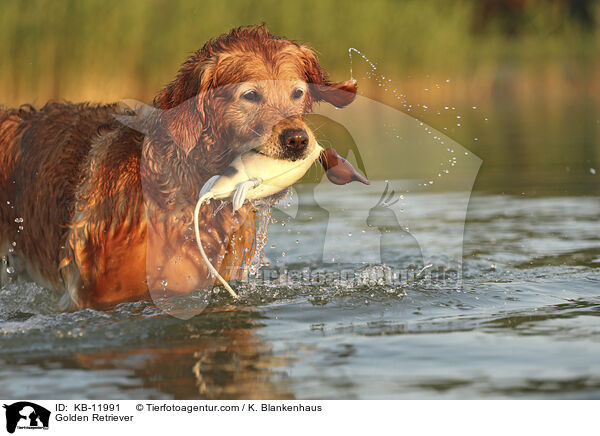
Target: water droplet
{"x":593,"y":171}
{"x":164,"y":283}
{"x":10,"y":270}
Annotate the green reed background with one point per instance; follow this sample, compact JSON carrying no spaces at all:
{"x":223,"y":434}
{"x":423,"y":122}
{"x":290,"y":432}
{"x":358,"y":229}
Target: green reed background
{"x":532,"y":67}
{"x":107,"y":48}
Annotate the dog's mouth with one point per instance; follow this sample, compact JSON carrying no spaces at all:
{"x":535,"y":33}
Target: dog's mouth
{"x":337,"y":169}
{"x":290,"y":139}
{"x":273,"y":150}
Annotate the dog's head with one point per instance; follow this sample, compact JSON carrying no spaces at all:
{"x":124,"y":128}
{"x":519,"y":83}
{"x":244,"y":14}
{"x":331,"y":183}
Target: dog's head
{"x":249,"y":89}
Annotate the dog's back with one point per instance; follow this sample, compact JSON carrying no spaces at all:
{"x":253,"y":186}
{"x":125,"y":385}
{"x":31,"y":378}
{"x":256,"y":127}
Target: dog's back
{"x":42,"y":154}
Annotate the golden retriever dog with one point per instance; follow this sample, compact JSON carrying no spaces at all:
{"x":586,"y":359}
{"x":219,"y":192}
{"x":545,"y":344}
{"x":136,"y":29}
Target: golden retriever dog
{"x":101,"y":212}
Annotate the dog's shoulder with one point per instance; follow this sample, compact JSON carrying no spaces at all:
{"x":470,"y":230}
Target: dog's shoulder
{"x":112,"y":167}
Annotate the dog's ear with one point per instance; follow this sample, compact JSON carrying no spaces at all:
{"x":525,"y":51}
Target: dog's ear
{"x":183,"y":103}
{"x":339,"y":94}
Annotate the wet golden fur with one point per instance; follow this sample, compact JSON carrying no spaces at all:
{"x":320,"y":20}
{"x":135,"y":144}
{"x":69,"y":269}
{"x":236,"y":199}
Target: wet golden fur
{"x":102,"y":212}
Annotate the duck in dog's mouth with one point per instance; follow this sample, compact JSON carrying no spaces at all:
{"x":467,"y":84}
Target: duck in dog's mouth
{"x":254,"y":174}
{"x":292,"y":140}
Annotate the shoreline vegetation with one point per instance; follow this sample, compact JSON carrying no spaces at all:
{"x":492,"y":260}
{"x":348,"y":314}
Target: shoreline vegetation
{"x":108,"y":50}
{"x":531,"y":68}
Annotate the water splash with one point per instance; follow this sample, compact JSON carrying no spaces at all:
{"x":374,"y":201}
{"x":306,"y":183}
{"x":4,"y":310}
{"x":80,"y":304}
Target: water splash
{"x":386,"y":83}
{"x":264,"y":209}
{"x":352,"y":49}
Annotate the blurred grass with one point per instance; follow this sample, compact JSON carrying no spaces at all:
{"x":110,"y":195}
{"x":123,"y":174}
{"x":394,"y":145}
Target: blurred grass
{"x":530,"y":67}
{"x":107,"y":49}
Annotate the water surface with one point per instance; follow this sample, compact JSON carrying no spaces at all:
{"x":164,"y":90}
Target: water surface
{"x":522,"y":322}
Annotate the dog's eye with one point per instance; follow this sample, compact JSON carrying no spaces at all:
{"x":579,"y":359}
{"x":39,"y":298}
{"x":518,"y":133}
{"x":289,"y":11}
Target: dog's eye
{"x":251,"y":95}
{"x":298,"y":93}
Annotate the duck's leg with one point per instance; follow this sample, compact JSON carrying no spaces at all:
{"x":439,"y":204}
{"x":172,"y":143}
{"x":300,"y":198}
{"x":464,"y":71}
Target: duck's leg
{"x":241,"y":192}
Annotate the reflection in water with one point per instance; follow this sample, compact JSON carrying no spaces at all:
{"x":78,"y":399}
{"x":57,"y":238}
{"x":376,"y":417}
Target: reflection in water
{"x":523,"y":324}
{"x":216,"y":355}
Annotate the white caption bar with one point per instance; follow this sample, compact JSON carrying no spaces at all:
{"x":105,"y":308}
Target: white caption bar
{"x":23,"y":417}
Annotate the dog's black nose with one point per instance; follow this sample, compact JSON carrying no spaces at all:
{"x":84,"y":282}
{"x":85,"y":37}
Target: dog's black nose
{"x":295,"y":139}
